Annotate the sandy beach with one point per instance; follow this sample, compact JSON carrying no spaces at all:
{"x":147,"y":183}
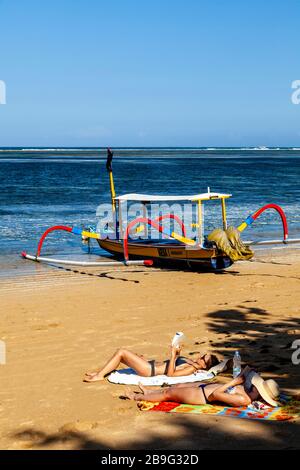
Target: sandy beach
{"x":59,"y":323}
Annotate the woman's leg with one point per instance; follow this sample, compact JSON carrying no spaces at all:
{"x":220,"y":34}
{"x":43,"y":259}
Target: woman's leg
{"x":148,"y":388}
{"x":122,"y":356}
{"x":190,"y":384}
{"x":188,"y":395}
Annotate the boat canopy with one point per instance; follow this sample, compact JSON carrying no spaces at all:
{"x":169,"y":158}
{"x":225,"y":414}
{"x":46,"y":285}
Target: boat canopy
{"x":150,"y":198}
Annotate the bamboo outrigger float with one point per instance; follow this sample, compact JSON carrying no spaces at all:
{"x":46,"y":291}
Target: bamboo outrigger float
{"x":217,"y":251}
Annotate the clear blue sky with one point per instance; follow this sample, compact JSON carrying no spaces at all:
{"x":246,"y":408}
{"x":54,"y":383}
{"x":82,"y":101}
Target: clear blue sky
{"x":143,"y":73}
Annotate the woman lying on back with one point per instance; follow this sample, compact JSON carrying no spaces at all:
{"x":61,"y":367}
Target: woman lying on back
{"x":175,"y":366}
{"x":241,"y":391}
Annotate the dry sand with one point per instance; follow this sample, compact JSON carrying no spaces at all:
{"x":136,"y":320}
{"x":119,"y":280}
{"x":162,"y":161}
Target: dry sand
{"x":59,"y":323}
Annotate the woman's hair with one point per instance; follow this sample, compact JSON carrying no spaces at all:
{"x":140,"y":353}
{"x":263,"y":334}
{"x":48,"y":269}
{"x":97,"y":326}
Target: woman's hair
{"x":213,"y":360}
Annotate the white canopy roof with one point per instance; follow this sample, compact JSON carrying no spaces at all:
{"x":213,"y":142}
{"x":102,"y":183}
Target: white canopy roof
{"x":150,"y":198}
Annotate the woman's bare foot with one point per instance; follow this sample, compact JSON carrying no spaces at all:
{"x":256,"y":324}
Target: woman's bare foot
{"x":93,"y":377}
{"x":130,"y":395}
{"x":136,"y":396}
{"x":91,"y":373}
{"x":142,"y":388}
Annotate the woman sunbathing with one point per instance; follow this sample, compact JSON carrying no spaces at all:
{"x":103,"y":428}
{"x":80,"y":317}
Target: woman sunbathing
{"x":176,"y":366}
{"x":241,"y":391}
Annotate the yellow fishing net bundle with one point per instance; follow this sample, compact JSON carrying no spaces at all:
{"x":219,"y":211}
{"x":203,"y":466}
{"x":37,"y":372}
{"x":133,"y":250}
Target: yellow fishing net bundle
{"x":229,"y":242}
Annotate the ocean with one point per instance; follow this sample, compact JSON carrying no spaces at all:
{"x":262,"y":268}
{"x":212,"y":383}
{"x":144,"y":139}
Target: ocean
{"x":44,"y":187}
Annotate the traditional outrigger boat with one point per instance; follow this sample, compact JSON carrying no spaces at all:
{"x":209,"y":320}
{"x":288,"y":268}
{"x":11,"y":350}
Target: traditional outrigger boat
{"x":216,"y":251}
{"x":172,"y":248}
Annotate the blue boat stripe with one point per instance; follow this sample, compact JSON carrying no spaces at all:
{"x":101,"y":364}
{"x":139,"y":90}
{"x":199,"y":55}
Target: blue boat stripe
{"x":249,"y":220}
{"x":76,"y":230}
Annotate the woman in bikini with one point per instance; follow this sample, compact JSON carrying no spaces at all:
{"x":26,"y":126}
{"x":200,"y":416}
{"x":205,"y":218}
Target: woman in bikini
{"x":176,"y":366}
{"x":241,"y":391}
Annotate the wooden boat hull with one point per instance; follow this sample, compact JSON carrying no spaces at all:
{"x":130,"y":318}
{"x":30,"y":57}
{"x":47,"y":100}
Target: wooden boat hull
{"x":167,"y":252}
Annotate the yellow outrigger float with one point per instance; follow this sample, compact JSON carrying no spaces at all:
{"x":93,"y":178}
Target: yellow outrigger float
{"x":129,"y":244}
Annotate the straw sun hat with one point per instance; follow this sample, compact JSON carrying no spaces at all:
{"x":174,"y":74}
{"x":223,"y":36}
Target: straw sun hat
{"x":268,"y":389}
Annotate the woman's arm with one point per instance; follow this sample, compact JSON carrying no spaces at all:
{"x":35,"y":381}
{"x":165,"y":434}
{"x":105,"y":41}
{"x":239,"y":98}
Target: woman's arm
{"x":172,"y":372}
{"x":172,"y":361}
{"x":237,"y":381}
{"x":187,"y":370}
{"x":233,"y":399}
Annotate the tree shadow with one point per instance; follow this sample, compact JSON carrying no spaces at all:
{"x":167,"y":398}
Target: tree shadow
{"x":33,"y":438}
{"x":263,"y":344}
{"x":199,"y":432}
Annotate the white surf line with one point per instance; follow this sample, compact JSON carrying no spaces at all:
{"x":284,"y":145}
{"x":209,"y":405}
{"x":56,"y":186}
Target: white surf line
{"x":273,"y":242}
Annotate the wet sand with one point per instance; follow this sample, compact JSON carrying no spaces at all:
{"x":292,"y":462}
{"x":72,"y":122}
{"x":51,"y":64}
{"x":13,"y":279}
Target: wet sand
{"x":59,"y":323}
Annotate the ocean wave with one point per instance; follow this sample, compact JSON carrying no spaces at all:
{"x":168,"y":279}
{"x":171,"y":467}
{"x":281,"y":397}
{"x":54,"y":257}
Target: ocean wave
{"x":142,"y":149}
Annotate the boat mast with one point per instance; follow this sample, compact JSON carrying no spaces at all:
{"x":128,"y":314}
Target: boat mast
{"x":110,"y":155}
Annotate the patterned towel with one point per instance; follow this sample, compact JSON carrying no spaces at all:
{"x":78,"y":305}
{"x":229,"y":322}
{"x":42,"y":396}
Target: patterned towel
{"x":290,"y":409}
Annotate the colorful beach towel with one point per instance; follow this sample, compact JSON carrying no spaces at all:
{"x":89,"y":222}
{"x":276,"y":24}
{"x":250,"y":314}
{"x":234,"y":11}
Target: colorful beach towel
{"x":130,"y":377}
{"x":290,"y":409}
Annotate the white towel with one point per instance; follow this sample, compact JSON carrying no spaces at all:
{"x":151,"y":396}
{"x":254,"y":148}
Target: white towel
{"x":130,"y":377}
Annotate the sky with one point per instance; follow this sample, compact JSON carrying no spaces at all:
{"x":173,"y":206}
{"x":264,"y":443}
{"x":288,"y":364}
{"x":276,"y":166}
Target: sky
{"x":149,"y":73}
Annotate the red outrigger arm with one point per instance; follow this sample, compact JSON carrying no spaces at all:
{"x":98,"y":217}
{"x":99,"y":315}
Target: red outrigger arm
{"x":251,"y":218}
{"x":75,"y":230}
{"x":49,"y":230}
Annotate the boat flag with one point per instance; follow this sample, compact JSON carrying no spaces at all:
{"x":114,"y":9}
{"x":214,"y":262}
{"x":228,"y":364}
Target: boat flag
{"x":110,"y":155}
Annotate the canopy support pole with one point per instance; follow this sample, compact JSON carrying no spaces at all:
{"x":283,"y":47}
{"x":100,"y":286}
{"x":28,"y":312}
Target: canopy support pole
{"x":224,"y":214}
{"x":200,"y":227}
